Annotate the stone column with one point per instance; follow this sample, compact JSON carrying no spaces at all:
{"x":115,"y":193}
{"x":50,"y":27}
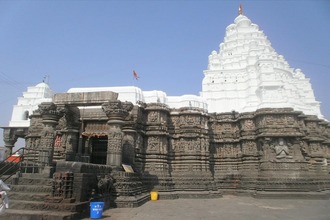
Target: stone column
{"x":116,"y":112}
{"x":71,"y":144}
{"x":50,"y":116}
{"x":129,"y":146}
{"x":10,"y":139}
{"x":72,"y":116}
{"x":115,"y":143}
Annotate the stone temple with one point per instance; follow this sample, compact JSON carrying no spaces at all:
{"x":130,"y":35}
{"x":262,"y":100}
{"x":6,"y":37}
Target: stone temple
{"x":256,"y":129}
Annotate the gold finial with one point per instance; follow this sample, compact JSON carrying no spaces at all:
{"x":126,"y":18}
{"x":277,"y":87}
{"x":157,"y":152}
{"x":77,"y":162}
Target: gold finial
{"x":240,"y":9}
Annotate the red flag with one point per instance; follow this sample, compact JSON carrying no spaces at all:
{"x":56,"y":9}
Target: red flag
{"x":240,"y":9}
{"x":136,"y":76}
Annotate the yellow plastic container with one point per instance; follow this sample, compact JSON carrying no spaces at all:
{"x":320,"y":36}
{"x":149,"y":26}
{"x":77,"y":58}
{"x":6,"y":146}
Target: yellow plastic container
{"x":154,"y":196}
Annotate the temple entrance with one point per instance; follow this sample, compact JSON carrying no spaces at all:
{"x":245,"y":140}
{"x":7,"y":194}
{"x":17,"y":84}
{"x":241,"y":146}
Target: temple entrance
{"x":99,"y":150}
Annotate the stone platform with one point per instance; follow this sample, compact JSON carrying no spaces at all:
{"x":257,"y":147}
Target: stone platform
{"x":227,"y":207}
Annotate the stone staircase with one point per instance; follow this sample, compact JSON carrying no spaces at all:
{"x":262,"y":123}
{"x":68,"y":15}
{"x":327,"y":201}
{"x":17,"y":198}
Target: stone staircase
{"x":28,"y":200}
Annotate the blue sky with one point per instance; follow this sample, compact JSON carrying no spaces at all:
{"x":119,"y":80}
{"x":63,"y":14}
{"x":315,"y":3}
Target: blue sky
{"x":99,"y":43}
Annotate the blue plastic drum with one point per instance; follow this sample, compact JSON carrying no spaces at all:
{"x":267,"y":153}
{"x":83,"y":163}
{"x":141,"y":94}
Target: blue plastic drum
{"x":96,"y":209}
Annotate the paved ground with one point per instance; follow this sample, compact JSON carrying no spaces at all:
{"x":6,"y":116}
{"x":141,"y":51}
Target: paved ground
{"x":227,"y":208}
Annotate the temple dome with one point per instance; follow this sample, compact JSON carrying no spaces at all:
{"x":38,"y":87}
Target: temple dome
{"x":42,"y":85}
{"x":242,"y":21}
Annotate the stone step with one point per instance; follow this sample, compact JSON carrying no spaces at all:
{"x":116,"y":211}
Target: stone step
{"x":34,"y":181}
{"x":31,"y":188}
{"x":28,"y":196}
{"x":16,"y":214}
{"x":32,"y":175}
{"x":45,"y":206}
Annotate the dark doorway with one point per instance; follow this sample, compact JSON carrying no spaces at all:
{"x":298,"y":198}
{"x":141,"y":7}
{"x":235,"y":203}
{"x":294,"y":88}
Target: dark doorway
{"x":99,"y":150}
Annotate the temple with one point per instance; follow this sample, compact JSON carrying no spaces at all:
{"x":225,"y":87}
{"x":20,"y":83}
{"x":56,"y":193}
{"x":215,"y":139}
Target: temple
{"x":255,"y":130}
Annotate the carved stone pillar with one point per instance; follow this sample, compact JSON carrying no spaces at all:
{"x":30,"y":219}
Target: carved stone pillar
{"x":72,"y":116}
{"x":50,"y":116}
{"x":71,"y":144}
{"x":116,"y":111}
{"x":129,"y":146}
{"x":10,"y":139}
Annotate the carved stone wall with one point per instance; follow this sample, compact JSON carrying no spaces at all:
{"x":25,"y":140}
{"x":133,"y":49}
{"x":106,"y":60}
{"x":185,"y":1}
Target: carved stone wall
{"x":155,"y":152}
{"x":180,"y":152}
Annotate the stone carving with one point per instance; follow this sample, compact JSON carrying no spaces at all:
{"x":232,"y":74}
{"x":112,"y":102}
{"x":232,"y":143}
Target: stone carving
{"x":49,"y":109}
{"x":175,"y":121}
{"x":249,"y":148}
{"x":127,"y":106}
{"x":116,"y":109}
{"x":153,"y":144}
{"x":248,"y":124}
{"x":94,"y":128}
{"x":105,"y":184}
{"x":153,"y":116}
{"x":315,"y":148}
{"x":115,"y":142}
{"x":62,"y":185}
{"x":188,"y":145}
{"x":227,"y":150}
{"x":282,"y":149}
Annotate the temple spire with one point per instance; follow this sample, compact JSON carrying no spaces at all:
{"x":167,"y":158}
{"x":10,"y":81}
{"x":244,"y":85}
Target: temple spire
{"x":240,"y":9}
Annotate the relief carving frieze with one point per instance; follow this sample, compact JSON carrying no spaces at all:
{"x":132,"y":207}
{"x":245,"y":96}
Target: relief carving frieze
{"x":316,"y":149}
{"x":175,"y":120}
{"x":153,"y":144}
{"x":47,"y":137}
{"x":311,"y":125}
{"x":189,"y":121}
{"x":226,"y":130}
{"x":276,"y":120}
{"x":249,"y":147}
{"x":228,"y":150}
{"x":157,"y":145}
{"x":205,"y":145}
{"x":115,"y":140}
{"x":192,"y":146}
{"x":36,"y":125}
{"x":153,"y":116}
{"x":248,"y":124}
{"x":95,"y":128}
{"x":188,"y":145}
{"x":290,"y":120}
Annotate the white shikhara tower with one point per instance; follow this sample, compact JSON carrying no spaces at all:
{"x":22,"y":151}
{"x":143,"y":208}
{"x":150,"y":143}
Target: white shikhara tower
{"x":247,"y":74}
{"x":28,"y":103}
